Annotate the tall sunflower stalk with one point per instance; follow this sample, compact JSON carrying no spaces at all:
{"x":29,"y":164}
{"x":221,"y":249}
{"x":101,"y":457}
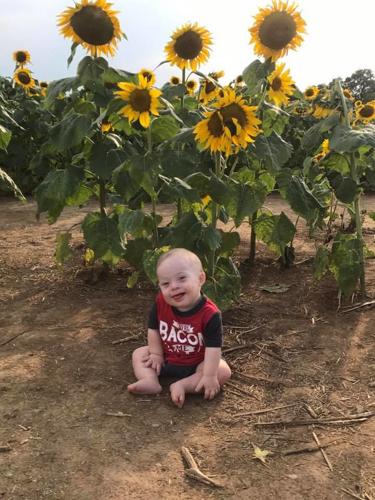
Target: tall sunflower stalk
{"x":357,"y":206}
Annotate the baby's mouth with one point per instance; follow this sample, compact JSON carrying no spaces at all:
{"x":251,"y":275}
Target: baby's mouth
{"x":178,"y":296}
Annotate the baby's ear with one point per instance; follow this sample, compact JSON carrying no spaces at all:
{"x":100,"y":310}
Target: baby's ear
{"x":202,"y":277}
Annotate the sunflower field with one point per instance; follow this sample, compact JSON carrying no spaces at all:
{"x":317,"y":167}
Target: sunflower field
{"x":214,"y":151}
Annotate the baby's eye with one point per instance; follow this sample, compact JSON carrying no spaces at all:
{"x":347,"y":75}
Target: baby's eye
{"x":181,"y":278}
{"x":164,"y":284}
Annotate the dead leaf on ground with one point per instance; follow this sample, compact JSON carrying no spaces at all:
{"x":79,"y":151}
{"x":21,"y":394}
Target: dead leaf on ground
{"x":261,"y":454}
{"x":276,"y":288}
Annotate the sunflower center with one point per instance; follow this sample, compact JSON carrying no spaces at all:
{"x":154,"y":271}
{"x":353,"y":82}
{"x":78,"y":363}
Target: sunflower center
{"x":21,"y":57}
{"x":209,"y":87}
{"x":309,"y":93}
{"x":277,"y":30}
{"x":24,"y":77}
{"x":233,"y":111}
{"x":367,"y":111}
{"x":147,"y":75}
{"x":188,"y":45}
{"x":276,"y":84}
{"x":190,"y":84}
{"x":93,"y":25}
{"x":215,"y":125}
{"x":140,"y":100}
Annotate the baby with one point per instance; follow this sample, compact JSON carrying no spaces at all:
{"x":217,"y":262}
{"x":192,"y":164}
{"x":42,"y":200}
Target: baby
{"x":184,"y":334}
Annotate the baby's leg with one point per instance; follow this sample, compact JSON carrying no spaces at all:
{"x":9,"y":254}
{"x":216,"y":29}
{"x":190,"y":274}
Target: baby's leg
{"x":148,"y":381}
{"x":188,"y":384}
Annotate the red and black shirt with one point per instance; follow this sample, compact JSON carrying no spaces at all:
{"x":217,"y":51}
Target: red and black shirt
{"x":186,"y":334}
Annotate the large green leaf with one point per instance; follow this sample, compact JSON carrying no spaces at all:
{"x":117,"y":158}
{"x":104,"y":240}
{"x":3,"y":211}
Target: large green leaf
{"x":314,"y":136}
{"x":102,"y":236}
{"x":347,"y":190}
{"x":54,"y":191}
{"x":274,"y":120}
{"x":134,"y":251}
{"x":273,"y":150}
{"x":145,"y":170}
{"x":245,"y":200}
{"x":321,"y":262}
{"x":276,"y":231}
{"x":59,"y":87}
{"x":136,"y":222}
{"x":5,"y":137}
{"x":164,"y":128}
{"x":345,"y":262}
{"x":301,"y":199}
{"x":90,"y":70}
{"x":104,"y":159}
{"x":255,"y":73}
{"x":70,"y":131}
{"x":229,"y":241}
{"x":150,"y":260}
{"x":8,"y":181}
{"x":338,"y":163}
{"x":347,"y":140}
{"x":225,"y":287}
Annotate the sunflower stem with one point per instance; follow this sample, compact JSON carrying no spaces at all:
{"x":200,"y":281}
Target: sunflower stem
{"x":214,"y":207}
{"x":357,"y":206}
{"x":153,"y":196}
{"x":102,"y":197}
{"x":183,"y":83}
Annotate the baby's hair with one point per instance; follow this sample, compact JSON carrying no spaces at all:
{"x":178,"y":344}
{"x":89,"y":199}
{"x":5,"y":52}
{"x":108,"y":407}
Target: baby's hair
{"x":183,"y":252}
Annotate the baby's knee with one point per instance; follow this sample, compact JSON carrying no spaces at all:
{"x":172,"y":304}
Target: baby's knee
{"x":139,"y":353}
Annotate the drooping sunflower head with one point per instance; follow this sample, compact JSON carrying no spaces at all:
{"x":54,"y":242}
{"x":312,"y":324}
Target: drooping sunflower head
{"x":174,"y":80}
{"x":323,"y":151}
{"x":230,"y":127}
{"x":311,"y":93}
{"x":281,"y":85}
{"x":93,"y":24}
{"x":321,"y":111}
{"x":191,"y":86}
{"x":189,"y":46}
{"x":365,"y":112}
{"x":148,"y":75}
{"x":21,"y":57}
{"x":347,"y":93}
{"x":208,"y":91}
{"x":216,"y":75}
{"x":142,"y":101}
{"x":22,"y":76}
{"x":105,"y":126}
{"x":277,"y":29}
{"x":239,"y":80}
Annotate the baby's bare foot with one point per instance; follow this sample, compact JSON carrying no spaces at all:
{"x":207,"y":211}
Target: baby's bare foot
{"x":145,"y":386}
{"x":178,"y":394}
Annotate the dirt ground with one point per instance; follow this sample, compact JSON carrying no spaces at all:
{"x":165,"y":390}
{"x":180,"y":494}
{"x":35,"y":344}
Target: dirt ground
{"x":69,"y":429}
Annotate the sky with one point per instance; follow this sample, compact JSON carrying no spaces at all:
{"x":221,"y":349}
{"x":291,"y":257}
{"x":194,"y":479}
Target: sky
{"x":339,"y":38}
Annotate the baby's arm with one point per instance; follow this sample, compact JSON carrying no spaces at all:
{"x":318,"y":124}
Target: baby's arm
{"x":209,"y":381}
{"x":155,"y":359}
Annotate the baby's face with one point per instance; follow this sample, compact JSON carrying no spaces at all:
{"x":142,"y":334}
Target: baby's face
{"x":180,"y":282}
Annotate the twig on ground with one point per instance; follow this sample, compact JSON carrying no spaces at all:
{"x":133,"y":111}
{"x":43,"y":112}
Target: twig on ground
{"x":351,"y":419}
{"x":236,"y":348}
{"x":194,"y":472}
{"x":14,"y":337}
{"x":125,"y":339}
{"x":307,"y":449}
{"x":310,"y":411}
{"x":245,"y":332}
{"x":117,"y":414}
{"x":258,"y":380}
{"x":359,"y":306}
{"x":239,"y":389}
{"x":329,"y":465}
{"x":352,"y":494}
{"x":4,"y":449}
{"x":265,"y":410}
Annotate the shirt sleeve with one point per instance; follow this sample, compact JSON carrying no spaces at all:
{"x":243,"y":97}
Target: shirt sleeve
{"x":213,"y":331}
{"x":153,"y":322}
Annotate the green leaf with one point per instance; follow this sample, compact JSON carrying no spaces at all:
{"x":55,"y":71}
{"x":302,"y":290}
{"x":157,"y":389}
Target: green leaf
{"x":274,"y":121}
{"x":150,"y":260}
{"x":245,"y":200}
{"x":90,"y":69}
{"x":345,"y":262}
{"x":145,"y":170}
{"x":347,"y":190}
{"x":255,"y":73}
{"x":136,"y":222}
{"x":59,"y":87}
{"x":229,"y":241}
{"x":104,"y":159}
{"x":102,"y":236}
{"x":5,"y":137}
{"x":63,"y":250}
{"x":133,"y":279}
{"x":273,"y":150}
{"x":70,"y":131}
{"x":225,"y":287}
{"x":301,"y":199}
{"x":276,"y":231}
{"x":321,"y":262}
{"x":54,"y":191}
{"x":314,"y":136}
{"x":134,"y":251}
{"x":6,"y":179}
{"x":164,"y":128}
{"x":211,"y":237}
{"x":338,"y":163}
{"x":347,"y":140}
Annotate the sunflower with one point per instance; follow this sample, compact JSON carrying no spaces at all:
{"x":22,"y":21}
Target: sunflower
{"x":239,"y":80}
{"x":142,"y":100}
{"x":149,"y":75}
{"x":281,"y":85}
{"x":21,"y":57}
{"x":311,"y":93}
{"x":324,"y":150}
{"x":347,"y":93}
{"x":191,"y":86}
{"x":189,"y":47}
{"x":175,"y":80}
{"x":93,"y":24}
{"x":208,"y":91}
{"x":22,"y":76}
{"x":322,"y":111}
{"x":229,"y":127}
{"x":365,"y":112}
{"x":105,"y":126}
{"x":216,"y":75}
{"x":277,"y":29}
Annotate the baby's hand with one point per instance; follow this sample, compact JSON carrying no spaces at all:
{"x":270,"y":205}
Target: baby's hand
{"x":210,"y":385}
{"x":155,"y":361}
